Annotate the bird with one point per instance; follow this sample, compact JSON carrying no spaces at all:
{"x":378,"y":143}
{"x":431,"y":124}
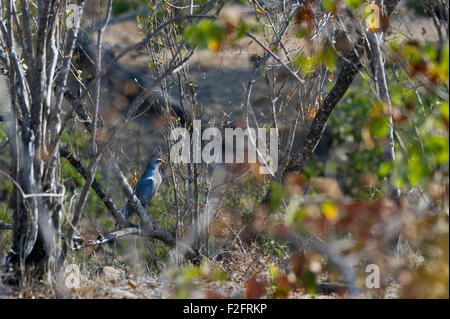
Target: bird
{"x":147,"y":186}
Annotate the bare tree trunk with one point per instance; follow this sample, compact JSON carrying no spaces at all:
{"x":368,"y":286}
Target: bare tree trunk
{"x":36,"y":100}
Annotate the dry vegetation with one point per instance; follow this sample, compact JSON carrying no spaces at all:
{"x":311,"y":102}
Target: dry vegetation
{"x":308,"y":231}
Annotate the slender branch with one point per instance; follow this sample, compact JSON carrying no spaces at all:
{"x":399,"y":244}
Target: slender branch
{"x":72,"y":38}
{"x":98,"y":80}
{"x":80,"y":242}
{"x":25,"y":195}
{"x":118,"y":19}
{"x":271,"y":53}
{"x":376,"y":40}
{"x":80,"y":206}
{"x":96,"y":186}
{"x":4,"y":225}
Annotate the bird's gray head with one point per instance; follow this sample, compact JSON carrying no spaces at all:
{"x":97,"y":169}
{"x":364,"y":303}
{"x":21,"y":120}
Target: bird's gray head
{"x":155,"y":162}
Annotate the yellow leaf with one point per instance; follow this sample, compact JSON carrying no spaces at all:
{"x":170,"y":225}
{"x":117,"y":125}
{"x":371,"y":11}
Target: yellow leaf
{"x":213,"y":44}
{"x":260,"y":9}
{"x":366,"y":136}
{"x":330,"y":210}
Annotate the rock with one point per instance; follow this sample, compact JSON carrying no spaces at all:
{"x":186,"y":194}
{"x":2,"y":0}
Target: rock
{"x":110,"y":273}
{"x":122,"y":293}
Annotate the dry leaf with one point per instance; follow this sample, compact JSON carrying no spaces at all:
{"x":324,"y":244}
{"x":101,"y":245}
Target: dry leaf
{"x":255,"y":289}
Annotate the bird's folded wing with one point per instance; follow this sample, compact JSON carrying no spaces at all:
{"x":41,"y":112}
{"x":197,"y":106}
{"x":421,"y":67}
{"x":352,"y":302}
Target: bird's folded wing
{"x":145,"y":190}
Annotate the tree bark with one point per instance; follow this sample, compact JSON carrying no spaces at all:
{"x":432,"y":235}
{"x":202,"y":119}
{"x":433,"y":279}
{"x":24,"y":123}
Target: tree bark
{"x":35,"y":119}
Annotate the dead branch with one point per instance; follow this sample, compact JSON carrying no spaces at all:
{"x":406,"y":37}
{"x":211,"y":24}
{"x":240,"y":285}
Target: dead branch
{"x":4,"y":225}
{"x":80,"y":242}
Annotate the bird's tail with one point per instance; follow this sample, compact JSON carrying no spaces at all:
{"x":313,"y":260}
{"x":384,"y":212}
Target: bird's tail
{"x":128,"y":210}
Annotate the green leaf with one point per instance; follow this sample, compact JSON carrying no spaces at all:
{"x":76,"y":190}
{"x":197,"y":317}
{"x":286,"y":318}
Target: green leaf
{"x":329,"y":5}
{"x":353,"y":4}
{"x":445,"y":109}
{"x":379,"y":126}
{"x":277,"y":194}
{"x":385,"y":168}
{"x":295,"y":215}
{"x":219,"y":274}
{"x":438,"y":145}
{"x":309,"y":281}
{"x":203,"y":32}
{"x":328,"y":57}
{"x":305,"y":63}
{"x":301,"y":33}
{"x":417,"y":171}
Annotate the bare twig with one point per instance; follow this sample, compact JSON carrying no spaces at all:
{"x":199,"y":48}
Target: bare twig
{"x":4,"y":225}
{"x":375,"y":40}
{"x":80,"y":242}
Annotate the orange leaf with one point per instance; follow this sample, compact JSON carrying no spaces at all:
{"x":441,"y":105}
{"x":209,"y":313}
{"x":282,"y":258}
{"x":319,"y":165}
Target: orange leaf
{"x":132,"y":284}
{"x":305,"y":14}
{"x":255,"y":289}
{"x":260,"y":9}
{"x":283,"y":286}
{"x":210,"y":294}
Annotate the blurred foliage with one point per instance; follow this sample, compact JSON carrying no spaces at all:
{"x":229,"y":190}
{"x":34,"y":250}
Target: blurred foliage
{"x":123,"y":6}
{"x":186,"y":278}
{"x":340,"y":201}
{"x":214,"y":34}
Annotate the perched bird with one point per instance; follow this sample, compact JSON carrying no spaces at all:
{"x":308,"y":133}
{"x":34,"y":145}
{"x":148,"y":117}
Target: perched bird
{"x":147,"y":186}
